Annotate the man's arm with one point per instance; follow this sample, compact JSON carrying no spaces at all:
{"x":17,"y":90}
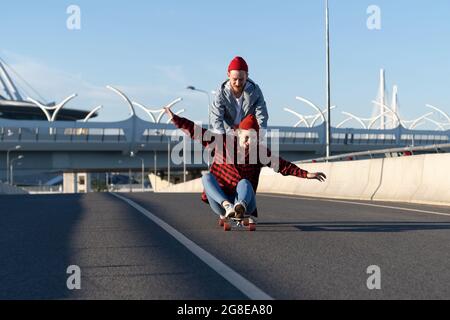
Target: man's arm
{"x":261,"y":113}
{"x":218,"y":114}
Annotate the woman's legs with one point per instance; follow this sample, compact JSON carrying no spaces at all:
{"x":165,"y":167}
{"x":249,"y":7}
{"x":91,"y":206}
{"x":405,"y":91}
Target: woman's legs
{"x":216,"y":207}
{"x":216,"y":196}
{"x":246,"y":195}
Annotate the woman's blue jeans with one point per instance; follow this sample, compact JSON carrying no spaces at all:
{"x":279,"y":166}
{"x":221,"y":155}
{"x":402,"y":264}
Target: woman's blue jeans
{"x":216,"y":196}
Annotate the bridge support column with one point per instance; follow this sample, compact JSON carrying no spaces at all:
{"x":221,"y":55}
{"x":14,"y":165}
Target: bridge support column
{"x":75,"y":182}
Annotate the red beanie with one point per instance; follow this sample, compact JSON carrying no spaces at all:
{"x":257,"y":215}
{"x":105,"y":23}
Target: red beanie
{"x":239,"y":64}
{"x":249,"y":122}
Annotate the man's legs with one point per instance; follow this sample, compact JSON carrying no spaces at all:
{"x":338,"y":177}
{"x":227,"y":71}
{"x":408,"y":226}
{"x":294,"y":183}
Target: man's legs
{"x":217,"y":199}
{"x":245,"y":202}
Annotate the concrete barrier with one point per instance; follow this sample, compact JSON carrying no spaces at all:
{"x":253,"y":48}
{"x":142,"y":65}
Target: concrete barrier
{"x":417,"y":179}
{"x":7,"y":189}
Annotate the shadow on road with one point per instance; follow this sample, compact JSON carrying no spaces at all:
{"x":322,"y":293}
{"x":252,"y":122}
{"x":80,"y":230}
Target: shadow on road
{"x":35,"y":236}
{"x":359,"y":226}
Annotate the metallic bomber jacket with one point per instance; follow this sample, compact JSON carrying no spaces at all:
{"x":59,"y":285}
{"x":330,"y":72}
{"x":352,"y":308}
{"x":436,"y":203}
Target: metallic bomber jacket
{"x":223,"y":109}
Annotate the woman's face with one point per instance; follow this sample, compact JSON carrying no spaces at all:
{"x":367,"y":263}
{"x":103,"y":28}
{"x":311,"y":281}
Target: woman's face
{"x":246,"y":137}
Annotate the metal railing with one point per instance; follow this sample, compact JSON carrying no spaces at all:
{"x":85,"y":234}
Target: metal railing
{"x":393,"y":152}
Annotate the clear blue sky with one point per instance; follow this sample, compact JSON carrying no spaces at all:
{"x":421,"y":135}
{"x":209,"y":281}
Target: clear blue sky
{"x":154,"y":49}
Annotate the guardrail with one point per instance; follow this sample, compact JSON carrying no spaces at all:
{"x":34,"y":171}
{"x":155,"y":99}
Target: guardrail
{"x":438,"y":148}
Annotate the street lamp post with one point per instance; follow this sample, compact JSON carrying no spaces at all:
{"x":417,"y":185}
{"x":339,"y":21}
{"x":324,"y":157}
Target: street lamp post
{"x":7,"y":161}
{"x":12,"y":166}
{"x":209,"y":102}
{"x":328,"y":95}
{"x":133,"y":155}
{"x":156,"y":174}
{"x":168,"y":159}
{"x":184,"y":159}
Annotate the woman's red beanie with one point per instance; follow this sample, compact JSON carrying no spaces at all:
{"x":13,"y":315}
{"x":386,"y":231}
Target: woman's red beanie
{"x":249,"y":122}
{"x":239,"y":64}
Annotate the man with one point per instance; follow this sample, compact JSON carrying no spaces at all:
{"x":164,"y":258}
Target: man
{"x":237,"y":98}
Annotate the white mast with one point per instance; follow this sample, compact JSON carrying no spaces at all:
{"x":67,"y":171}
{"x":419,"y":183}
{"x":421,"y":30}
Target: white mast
{"x":8,"y":85}
{"x":394,"y":104}
{"x":382,"y":101}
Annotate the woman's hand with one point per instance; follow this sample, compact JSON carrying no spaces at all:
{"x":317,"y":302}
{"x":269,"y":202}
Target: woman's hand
{"x":317,"y":176}
{"x":169,"y":112}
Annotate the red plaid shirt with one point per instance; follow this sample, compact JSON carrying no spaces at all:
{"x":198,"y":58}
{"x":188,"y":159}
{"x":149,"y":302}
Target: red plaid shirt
{"x":226,"y":168}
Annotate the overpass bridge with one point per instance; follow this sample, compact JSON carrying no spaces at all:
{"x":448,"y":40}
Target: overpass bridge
{"x":106,"y":146}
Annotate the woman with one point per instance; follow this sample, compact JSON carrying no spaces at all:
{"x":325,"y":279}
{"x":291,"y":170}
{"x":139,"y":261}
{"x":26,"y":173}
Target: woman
{"x":231,"y":184}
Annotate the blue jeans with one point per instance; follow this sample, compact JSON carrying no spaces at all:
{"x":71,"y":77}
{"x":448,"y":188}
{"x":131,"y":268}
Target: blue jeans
{"x":216,"y":196}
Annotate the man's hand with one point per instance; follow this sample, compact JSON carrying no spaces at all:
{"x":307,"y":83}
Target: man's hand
{"x":317,"y":176}
{"x":169,"y":113}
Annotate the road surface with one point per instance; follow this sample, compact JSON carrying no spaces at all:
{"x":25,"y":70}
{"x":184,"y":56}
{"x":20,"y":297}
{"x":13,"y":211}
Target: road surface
{"x":304,"y":248}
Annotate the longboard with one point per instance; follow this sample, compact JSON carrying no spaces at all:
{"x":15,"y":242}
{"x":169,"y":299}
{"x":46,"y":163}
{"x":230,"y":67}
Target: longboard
{"x":229,"y":223}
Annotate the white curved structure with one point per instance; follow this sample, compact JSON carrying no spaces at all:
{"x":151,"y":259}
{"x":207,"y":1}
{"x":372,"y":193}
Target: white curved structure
{"x":92,"y":113}
{"x":151,"y":112}
{"x":55,"y":109}
{"x":375,"y":119}
{"x":360,"y":120}
{"x":301,"y":117}
{"x":305,"y":119}
{"x":446,"y":116}
{"x":147,"y":110}
{"x":389,"y":110}
{"x":312,"y":105}
{"x":124,"y":97}
{"x":416,"y":122}
{"x":438,"y":124}
{"x":317,"y":117}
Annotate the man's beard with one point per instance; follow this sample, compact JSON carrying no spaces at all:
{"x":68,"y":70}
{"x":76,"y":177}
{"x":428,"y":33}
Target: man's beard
{"x":237,"y":90}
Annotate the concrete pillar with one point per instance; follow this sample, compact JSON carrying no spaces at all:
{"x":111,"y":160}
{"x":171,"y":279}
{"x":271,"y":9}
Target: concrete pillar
{"x":77,"y":182}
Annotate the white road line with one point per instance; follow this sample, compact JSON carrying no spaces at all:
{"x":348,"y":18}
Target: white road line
{"x":238,"y":281}
{"x":357,"y":203}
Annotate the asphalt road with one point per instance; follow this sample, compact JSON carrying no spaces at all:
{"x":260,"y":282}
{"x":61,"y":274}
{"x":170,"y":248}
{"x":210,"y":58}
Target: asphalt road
{"x":304,"y":248}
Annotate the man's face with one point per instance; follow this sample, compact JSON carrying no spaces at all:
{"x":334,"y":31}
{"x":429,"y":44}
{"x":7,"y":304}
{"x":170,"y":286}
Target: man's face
{"x":238,"y":79}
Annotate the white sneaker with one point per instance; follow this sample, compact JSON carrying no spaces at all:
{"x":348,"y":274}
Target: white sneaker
{"x":240,"y":208}
{"x":252,"y":220}
{"x":229,"y":211}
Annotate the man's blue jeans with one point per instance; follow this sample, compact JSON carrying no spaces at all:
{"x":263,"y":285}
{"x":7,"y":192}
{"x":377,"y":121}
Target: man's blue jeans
{"x":216,"y":196}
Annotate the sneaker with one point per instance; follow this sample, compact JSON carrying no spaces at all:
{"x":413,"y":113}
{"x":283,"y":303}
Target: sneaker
{"x":252,"y":220}
{"x":229,"y":210}
{"x":240,"y":208}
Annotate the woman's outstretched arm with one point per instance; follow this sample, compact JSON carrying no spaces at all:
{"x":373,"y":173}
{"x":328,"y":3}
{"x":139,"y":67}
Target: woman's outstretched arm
{"x":287,"y":168}
{"x":196,"y":132}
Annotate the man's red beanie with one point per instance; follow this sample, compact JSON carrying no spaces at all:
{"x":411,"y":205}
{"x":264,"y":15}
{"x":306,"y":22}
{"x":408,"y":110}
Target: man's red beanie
{"x":239,"y":64}
{"x":249,"y":122}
